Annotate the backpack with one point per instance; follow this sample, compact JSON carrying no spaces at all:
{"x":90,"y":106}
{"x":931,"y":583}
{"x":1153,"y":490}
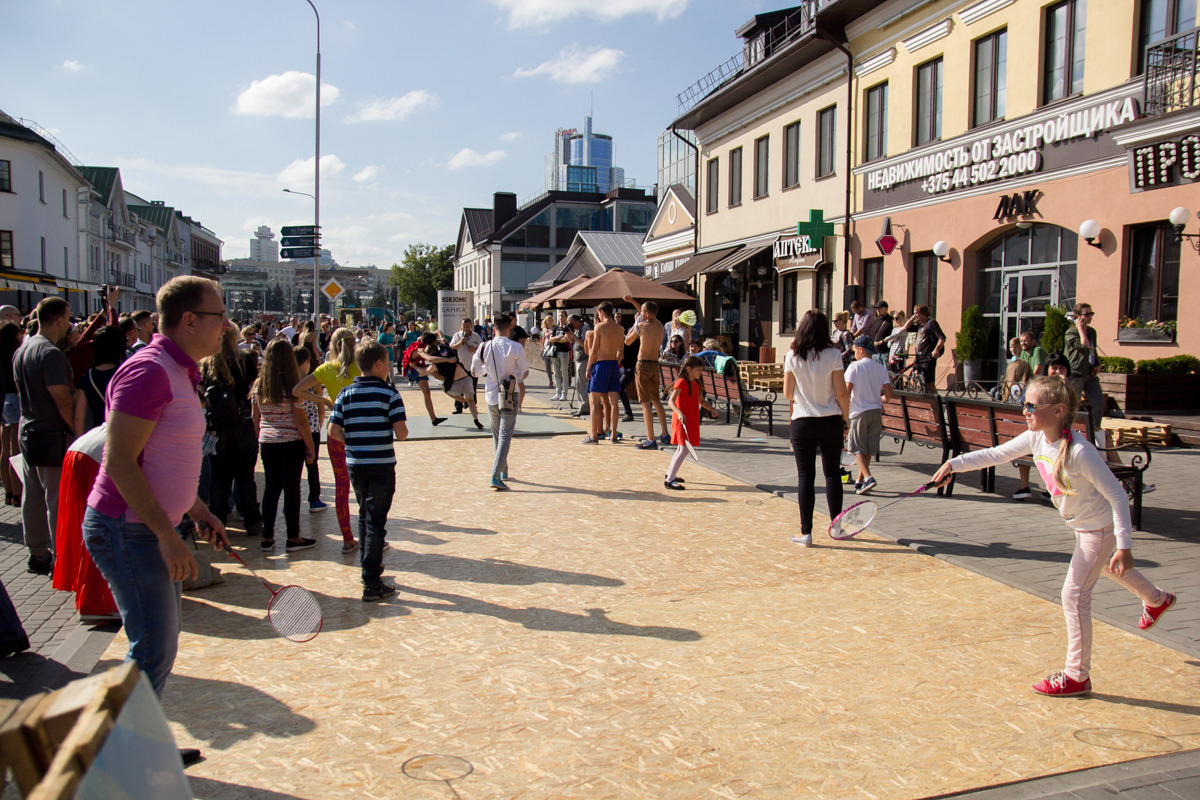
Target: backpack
{"x":221,"y":410}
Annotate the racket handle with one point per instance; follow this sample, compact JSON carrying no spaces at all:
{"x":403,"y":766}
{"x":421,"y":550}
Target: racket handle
{"x":233,"y":554}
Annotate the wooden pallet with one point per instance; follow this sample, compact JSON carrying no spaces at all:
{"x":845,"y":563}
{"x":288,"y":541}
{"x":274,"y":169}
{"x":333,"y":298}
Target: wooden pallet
{"x":1126,"y":431}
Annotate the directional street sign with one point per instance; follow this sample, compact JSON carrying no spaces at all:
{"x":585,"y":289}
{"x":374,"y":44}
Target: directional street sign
{"x":298,"y":252}
{"x":299,"y":241}
{"x":332,"y":289}
{"x":300,"y":230}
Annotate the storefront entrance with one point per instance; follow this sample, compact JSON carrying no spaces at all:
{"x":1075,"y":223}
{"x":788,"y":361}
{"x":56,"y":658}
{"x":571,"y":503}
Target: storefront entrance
{"x":1021,"y":273}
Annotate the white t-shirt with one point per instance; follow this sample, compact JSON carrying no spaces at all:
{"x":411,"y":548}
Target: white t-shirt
{"x":868,"y":377}
{"x":813,"y":396}
{"x":288,"y":332}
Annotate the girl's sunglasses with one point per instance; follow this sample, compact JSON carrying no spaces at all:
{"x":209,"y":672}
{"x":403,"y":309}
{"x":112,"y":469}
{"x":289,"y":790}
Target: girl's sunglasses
{"x":1031,"y":408}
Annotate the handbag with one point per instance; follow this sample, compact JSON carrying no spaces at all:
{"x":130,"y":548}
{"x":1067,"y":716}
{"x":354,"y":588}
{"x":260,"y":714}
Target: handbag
{"x":44,"y":448}
{"x":507,"y":387}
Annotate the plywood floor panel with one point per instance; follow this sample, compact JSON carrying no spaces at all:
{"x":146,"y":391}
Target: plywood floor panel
{"x":590,"y":634}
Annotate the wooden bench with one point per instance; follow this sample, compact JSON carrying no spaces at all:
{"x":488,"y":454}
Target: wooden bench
{"x":731,"y":391}
{"x":916,"y":418}
{"x":669,"y":373}
{"x":975,"y":424}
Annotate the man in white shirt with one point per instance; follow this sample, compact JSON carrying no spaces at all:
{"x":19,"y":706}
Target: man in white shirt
{"x":289,"y":331}
{"x":867,"y":380}
{"x":497,"y":361}
{"x":464,"y":343}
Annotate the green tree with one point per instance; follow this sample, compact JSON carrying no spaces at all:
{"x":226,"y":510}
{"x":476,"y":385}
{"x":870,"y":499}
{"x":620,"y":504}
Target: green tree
{"x":424,"y":270}
{"x":1056,"y":327}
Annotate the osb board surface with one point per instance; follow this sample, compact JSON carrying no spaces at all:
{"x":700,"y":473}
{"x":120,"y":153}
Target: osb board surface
{"x":590,"y":634}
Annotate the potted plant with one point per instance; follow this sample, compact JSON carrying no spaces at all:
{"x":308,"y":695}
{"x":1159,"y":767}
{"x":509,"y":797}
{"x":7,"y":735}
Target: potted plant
{"x":970,"y":343}
{"x":1131,"y":329}
{"x":1057,"y":325}
{"x":1161,"y":384}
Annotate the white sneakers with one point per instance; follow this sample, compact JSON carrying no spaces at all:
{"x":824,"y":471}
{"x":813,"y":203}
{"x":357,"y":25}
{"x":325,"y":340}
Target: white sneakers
{"x":804,"y":540}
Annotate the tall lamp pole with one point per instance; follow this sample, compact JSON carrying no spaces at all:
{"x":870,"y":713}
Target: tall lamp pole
{"x":317,"y":172}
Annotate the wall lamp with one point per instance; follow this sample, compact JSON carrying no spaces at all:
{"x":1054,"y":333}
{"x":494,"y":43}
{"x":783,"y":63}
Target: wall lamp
{"x":1179,"y":218}
{"x":1090,"y":231}
{"x":942,"y":251}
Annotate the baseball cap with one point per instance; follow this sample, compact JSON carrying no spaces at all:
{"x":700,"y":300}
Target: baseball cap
{"x":881,"y":304}
{"x":865,"y":343}
{"x":6,"y":310}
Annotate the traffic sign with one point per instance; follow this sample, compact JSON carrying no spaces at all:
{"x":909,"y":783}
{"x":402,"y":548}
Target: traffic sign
{"x":333,"y":289}
{"x":299,"y":241}
{"x":298,"y":252}
{"x":300,"y":230}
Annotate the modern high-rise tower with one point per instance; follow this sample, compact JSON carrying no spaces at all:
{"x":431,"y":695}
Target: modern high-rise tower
{"x":582,"y":161}
{"x":263,"y":246}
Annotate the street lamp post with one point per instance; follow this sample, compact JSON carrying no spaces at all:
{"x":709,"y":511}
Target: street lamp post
{"x":317,"y":258}
{"x":316,"y":171}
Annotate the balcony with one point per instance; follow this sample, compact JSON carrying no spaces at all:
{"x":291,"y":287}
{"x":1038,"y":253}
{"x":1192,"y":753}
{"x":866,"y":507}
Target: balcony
{"x":173,"y":256}
{"x":121,"y":235}
{"x":128,"y":280}
{"x":757,"y":49}
{"x":1170,"y":76}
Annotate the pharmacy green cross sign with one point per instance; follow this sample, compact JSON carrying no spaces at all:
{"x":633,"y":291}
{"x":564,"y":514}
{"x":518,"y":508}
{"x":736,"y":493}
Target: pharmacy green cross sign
{"x":816,"y":228}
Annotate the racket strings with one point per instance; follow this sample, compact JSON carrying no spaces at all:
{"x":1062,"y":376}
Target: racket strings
{"x":854,"y":520}
{"x":295,"y":614}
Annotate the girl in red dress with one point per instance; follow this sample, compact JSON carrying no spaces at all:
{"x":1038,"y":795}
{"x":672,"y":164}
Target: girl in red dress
{"x":686,"y":400}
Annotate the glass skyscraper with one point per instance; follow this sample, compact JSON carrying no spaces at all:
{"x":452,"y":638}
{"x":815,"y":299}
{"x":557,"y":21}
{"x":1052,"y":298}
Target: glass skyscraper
{"x":582,"y":161}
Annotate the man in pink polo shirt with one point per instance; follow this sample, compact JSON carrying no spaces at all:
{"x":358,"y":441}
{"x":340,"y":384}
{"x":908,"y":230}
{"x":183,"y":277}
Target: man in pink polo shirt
{"x":150,"y":473}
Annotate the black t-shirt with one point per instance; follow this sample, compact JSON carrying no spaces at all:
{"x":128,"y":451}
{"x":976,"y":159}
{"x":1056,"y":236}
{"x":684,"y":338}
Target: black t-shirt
{"x":884,"y":329}
{"x":93,"y":384}
{"x":560,"y":347}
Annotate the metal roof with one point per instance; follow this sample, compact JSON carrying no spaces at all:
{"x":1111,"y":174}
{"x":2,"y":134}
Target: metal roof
{"x":612,"y":249}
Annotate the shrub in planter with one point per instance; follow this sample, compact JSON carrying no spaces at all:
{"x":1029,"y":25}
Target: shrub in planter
{"x":971,"y":339}
{"x":1174,"y":365}
{"x":1056,"y":327}
{"x":1117,"y":365}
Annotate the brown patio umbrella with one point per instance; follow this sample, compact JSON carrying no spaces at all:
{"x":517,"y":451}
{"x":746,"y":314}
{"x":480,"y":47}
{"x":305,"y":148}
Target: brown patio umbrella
{"x":615,"y":284}
{"x":546,"y":297}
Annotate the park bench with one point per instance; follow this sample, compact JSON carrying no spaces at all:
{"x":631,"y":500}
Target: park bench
{"x":975,"y":424}
{"x":731,"y":391}
{"x":916,"y":418}
{"x":669,"y":374}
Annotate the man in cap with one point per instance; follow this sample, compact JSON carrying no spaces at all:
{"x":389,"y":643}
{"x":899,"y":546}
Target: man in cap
{"x":10,"y":314}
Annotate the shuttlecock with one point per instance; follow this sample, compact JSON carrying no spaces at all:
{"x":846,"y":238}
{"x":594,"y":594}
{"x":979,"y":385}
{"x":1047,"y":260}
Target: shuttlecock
{"x":688,"y":317}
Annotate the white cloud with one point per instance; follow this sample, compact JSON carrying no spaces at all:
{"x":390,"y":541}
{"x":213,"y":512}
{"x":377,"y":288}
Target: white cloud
{"x":225,"y":181}
{"x":469,"y":158}
{"x":350,"y":25}
{"x":71,"y":66}
{"x":299,"y":173}
{"x":511,"y":136}
{"x":536,"y":13}
{"x":367,"y":173}
{"x":289,"y":95}
{"x":577,"y":65}
{"x":390,"y":216}
{"x":391,"y":110}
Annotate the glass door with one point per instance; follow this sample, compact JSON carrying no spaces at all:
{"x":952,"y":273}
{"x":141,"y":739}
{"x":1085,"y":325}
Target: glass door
{"x":1026,"y":295}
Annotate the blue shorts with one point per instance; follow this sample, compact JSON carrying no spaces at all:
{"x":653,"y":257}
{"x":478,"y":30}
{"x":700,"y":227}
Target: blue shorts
{"x":12,"y":409}
{"x":605,"y":377}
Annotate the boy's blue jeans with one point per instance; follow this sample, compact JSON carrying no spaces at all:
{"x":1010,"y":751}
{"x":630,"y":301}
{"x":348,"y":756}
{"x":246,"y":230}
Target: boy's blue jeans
{"x":128,"y":556}
{"x":374,"y":486}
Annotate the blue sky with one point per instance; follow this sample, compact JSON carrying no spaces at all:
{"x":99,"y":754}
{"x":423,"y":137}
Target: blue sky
{"x":427,"y":105}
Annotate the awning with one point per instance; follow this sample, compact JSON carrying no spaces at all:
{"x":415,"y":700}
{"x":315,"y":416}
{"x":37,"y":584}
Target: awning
{"x":743,"y":254}
{"x":694,"y":265}
{"x":29,"y":286}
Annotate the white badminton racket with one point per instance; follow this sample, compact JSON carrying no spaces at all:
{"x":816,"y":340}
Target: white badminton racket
{"x":855,"y":519}
{"x":293,"y":611}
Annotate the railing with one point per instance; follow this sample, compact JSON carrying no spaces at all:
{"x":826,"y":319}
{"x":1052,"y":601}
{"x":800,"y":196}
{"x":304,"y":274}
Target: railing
{"x":118,"y":234}
{"x":129,"y":279}
{"x":800,"y":22}
{"x":1170,"y":76}
{"x":48,"y":136}
{"x":173,"y":255}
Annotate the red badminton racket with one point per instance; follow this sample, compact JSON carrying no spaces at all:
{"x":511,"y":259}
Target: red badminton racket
{"x":293,"y":611}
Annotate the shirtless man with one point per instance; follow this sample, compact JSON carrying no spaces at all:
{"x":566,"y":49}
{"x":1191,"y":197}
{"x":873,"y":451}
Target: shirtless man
{"x":647,"y":375}
{"x":604,"y":346}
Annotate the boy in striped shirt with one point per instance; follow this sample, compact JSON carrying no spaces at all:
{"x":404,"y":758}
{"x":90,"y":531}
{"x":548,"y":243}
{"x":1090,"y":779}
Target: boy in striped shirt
{"x":366,"y":415}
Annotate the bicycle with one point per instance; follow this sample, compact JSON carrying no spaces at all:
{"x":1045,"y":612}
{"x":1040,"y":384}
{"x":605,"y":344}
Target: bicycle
{"x":910,"y":378}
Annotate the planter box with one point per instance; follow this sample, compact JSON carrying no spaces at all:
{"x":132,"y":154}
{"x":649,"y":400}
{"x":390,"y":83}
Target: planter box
{"x":1143,"y":335}
{"x":1134,"y":393}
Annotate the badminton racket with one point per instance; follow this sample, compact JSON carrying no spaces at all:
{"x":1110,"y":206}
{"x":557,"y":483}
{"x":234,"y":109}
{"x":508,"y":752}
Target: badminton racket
{"x":293,"y":611}
{"x":691,"y":451}
{"x":855,"y":519}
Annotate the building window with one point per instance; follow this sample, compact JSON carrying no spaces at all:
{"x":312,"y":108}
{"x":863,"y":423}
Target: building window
{"x":5,"y":176}
{"x":66,"y":262}
{"x":1062,"y":74}
{"x":735,"y":177}
{"x":65,"y":214}
{"x":929,"y":102}
{"x":826,"y":141}
{"x":1152,"y":290}
{"x":791,"y":155}
{"x":1159,"y":19}
{"x":6,"y":248}
{"x":872,"y":281}
{"x":876,"y":122}
{"x":787,"y":311}
{"x":761,"y":165}
{"x":43,"y":254}
{"x":922,"y":291}
{"x":41,"y":186}
{"x":714,"y":170}
{"x":991,"y":66}
{"x":823,"y":290}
